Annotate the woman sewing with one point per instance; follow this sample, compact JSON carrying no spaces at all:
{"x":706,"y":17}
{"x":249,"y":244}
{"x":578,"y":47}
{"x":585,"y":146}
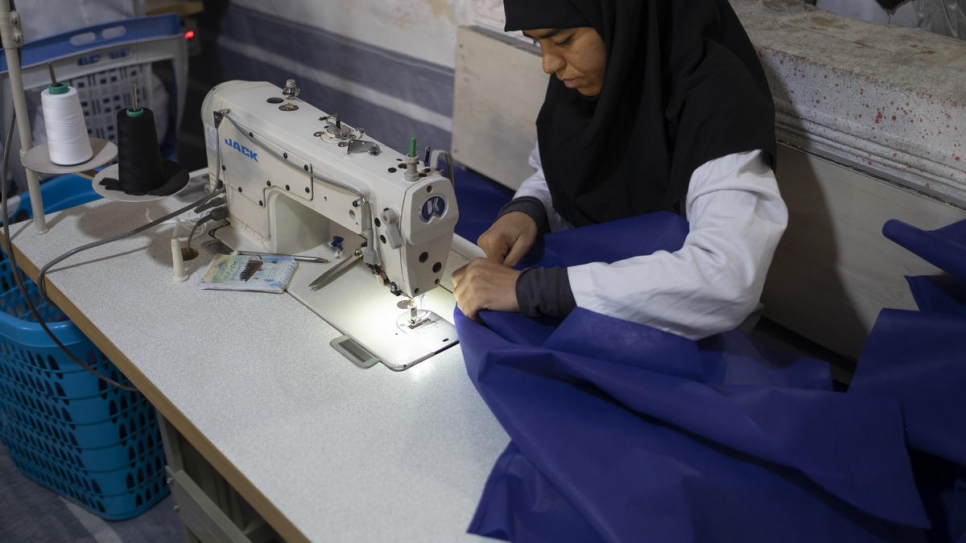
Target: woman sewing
{"x":652,"y":105}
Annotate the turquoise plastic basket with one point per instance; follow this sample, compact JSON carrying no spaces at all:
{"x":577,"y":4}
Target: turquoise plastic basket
{"x":92,"y":442}
{"x":120,"y":455}
{"x":119,"y":506}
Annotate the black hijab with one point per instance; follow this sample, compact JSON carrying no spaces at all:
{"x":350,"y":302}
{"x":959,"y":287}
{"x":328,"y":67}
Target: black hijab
{"x":682,"y":86}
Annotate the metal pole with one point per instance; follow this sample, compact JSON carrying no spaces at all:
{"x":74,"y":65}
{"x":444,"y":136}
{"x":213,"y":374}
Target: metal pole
{"x":11,"y":37}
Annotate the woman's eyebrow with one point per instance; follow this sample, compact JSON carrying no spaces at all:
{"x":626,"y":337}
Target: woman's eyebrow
{"x":544,"y":34}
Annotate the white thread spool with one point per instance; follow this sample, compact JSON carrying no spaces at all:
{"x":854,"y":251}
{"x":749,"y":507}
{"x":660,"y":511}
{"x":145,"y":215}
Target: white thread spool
{"x":67,"y":140}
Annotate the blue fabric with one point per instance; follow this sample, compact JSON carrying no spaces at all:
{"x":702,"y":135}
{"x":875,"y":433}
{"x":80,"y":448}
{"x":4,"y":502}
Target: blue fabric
{"x":621,"y":432}
{"x":919,"y":357}
{"x":939,"y":294}
{"x":484,"y":197}
{"x":944,"y":248}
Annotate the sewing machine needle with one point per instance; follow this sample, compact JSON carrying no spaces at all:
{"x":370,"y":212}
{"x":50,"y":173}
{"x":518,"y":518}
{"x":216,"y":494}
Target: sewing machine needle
{"x":321,"y":280}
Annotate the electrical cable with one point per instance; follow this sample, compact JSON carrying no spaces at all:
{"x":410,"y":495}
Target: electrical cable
{"x":41,"y":276}
{"x":15,"y":270}
{"x":8,"y":249}
{"x":217,"y":214}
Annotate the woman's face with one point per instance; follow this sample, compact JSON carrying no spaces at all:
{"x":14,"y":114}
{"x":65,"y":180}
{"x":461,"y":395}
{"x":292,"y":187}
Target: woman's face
{"x":576,"y":56}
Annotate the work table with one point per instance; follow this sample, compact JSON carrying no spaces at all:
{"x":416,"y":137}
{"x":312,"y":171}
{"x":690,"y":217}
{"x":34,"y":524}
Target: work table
{"x":322,"y":449}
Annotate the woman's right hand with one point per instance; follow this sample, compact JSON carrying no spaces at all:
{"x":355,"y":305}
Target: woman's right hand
{"x":509,"y":238}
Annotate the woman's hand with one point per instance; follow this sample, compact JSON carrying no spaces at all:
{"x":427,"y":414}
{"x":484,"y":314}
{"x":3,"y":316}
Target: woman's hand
{"x":508,"y":239}
{"x":484,"y":284}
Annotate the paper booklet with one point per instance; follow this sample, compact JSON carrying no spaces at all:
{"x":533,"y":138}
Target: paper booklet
{"x":249,"y":272}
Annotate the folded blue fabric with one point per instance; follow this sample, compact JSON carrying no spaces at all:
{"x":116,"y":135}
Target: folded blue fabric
{"x":920,"y":360}
{"x":919,"y":357}
{"x":944,"y":248}
{"x":621,"y":432}
{"x":939,"y":294}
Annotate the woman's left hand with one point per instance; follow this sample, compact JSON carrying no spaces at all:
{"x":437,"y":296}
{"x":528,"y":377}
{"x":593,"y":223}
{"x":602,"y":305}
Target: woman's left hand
{"x":484,"y":284}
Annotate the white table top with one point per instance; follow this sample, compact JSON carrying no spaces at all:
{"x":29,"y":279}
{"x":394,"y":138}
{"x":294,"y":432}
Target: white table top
{"x":324,"y":450}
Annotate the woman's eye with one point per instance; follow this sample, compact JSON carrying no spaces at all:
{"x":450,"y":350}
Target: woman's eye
{"x":564,"y":41}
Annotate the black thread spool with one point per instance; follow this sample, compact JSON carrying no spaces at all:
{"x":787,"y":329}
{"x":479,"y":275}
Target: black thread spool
{"x":141,"y":168}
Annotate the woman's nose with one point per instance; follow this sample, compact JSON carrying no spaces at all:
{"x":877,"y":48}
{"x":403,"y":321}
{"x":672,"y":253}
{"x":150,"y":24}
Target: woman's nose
{"x":552,"y":63}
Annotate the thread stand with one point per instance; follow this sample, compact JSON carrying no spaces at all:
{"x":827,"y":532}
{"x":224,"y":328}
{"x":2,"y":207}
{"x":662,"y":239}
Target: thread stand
{"x":111,"y":172}
{"x":12,"y":40}
{"x":154,"y":174}
{"x":38,"y":159}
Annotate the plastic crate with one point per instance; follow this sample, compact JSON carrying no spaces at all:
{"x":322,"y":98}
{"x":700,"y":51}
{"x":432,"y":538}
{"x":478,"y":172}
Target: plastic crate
{"x":45,"y":377}
{"x":113,"y":431}
{"x":108,"y":483}
{"x":58,"y":193}
{"x":92,"y":442}
{"x":114,"y":457}
{"x":103,"y":93}
{"x":75,"y":411}
{"x":102,"y":61}
{"x":121,"y":506}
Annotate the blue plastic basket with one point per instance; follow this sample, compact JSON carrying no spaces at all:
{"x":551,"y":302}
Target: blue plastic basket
{"x":114,"y":457}
{"x":114,"y":431}
{"x":78,"y":411}
{"x":58,"y":193}
{"x":108,"y":483}
{"x":120,"y":506}
{"x":45,"y":376}
{"x":92,"y":442}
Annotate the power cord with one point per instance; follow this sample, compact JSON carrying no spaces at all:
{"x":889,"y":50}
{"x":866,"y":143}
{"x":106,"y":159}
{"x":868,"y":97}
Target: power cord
{"x":41,"y":276}
{"x":41,"y":284}
{"x":216,"y":214}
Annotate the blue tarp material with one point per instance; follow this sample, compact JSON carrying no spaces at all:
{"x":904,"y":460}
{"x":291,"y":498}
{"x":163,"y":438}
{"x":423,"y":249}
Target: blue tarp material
{"x":621,"y":432}
{"x":485,"y":196}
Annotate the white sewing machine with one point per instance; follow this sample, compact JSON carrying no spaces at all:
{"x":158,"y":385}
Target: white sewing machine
{"x":300,"y":181}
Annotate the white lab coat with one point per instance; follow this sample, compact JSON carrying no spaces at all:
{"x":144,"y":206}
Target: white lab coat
{"x":714,"y":282}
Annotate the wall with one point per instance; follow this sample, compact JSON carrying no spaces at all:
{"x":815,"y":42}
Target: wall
{"x":424,"y":29}
{"x":382,"y":65}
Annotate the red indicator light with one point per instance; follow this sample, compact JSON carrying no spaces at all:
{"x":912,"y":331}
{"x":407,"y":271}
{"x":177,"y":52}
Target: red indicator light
{"x":189,"y":34}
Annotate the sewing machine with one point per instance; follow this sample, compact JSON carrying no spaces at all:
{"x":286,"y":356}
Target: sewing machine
{"x":300,"y":181}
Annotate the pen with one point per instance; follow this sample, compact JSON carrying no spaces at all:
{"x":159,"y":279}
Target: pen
{"x":298,"y":258}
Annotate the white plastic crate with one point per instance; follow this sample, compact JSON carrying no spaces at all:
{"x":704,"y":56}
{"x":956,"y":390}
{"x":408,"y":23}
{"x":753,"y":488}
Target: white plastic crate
{"x":102,"y":94}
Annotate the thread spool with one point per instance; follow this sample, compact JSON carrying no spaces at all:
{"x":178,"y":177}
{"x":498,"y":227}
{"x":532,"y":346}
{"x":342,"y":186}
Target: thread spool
{"x":141,"y":168}
{"x":67,"y":141}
